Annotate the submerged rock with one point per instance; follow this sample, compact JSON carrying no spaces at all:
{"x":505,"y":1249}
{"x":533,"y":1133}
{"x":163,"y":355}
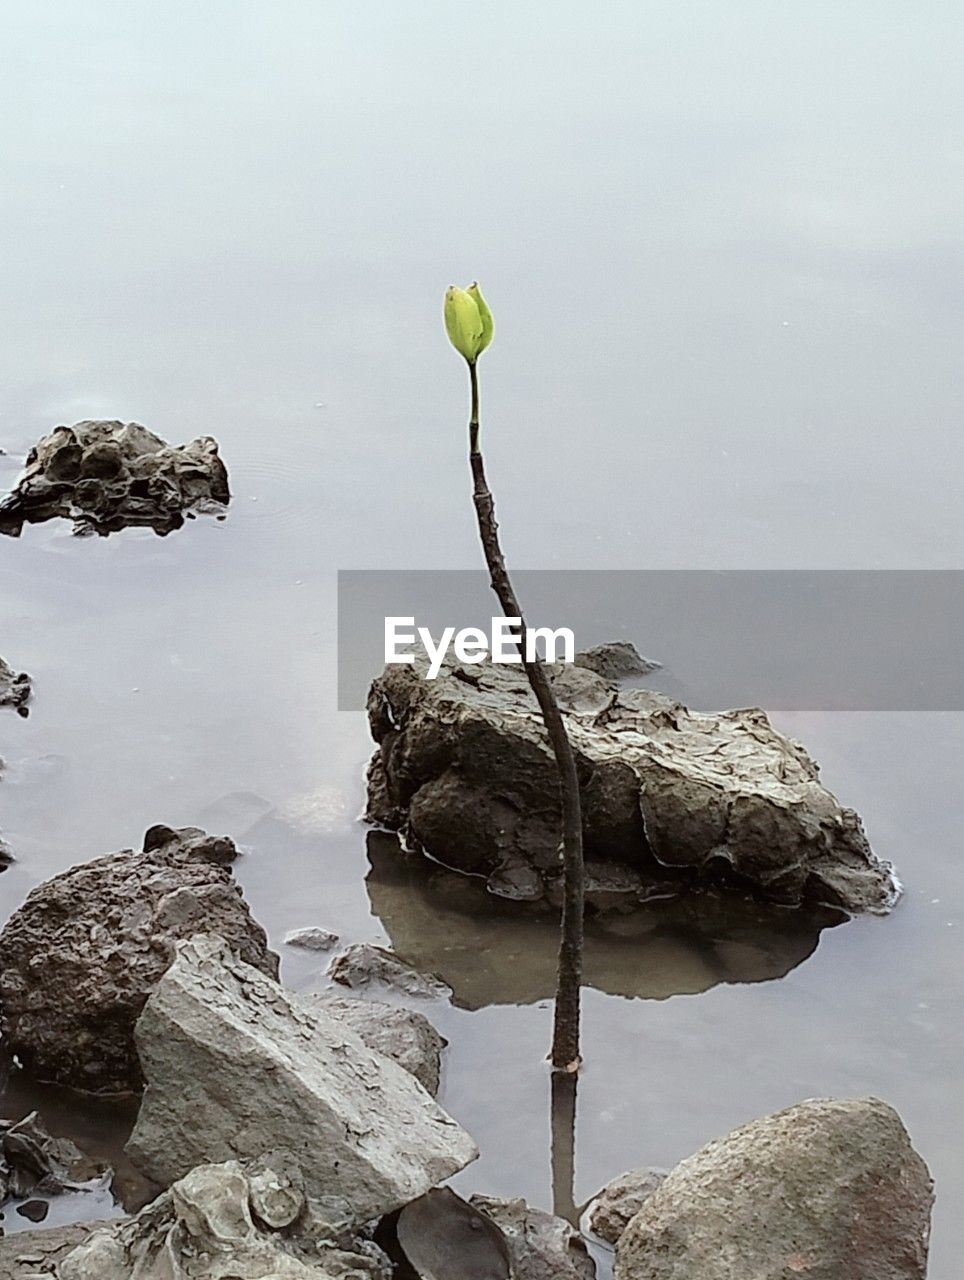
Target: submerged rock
{"x":826,"y":1189}
{"x":541,"y":1246}
{"x":362,"y":964}
{"x":311,"y":938}
{"x":621,"y":1200}
{"x":210,"y":1224}
{"x":109,"y":475}
{"x":237,"y":1066}
{"x":404,"y":1035}
{"x":33,"y":1160}
{"x":80,"y":957}
{"x":15,"y":688}
{"x":440,"y":922}
{"x":675,"y":798}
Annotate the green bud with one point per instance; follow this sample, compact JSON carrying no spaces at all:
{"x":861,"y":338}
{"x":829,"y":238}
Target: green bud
{"x":485,"y":315}
{"x":468,"y":321}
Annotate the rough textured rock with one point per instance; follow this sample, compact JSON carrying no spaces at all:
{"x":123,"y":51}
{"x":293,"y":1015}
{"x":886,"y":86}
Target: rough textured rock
{"x":106,"y":476}
{"x":237,"y":1066}
{"x":362,"y":964}
{"x":542,"y":1246}
{"x":34,"y":1255}
{"x":617,"y":660}
{"x":311,"y":939}
{"x":826,"y":1189}
{"x":404,"y":1035}
{"x":80,"y":957}
{"x":33,"y":1160}
{"x":674,"y":798}
{"x":14,"y":688}
{"x":207,"y":1225}
{"x":621,"y":1200}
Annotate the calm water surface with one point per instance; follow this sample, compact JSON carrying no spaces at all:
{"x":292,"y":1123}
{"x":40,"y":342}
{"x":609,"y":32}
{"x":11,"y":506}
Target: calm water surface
{"x":723,"y":246}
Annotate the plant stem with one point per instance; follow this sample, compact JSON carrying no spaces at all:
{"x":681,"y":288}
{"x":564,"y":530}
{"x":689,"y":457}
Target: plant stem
{"x":565,"y":1035}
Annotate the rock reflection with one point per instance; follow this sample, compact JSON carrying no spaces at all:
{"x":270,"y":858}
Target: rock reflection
{"x":490,"y":951}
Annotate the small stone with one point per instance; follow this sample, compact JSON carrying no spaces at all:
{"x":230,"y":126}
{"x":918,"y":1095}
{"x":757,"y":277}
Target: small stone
{"x":621,"y":1200}
{"x":311,"y":938}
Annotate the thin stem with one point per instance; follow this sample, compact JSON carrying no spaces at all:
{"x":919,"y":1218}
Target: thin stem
{"x":474,"y":418}
{"x":565,"y":1037}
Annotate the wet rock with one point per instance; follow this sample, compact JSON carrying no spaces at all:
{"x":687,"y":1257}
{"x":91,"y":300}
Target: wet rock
{"x":826,"y":1189}
{"x":236,"y":1066}
{"x":106,"y":476}
{"x":541,"y":1246}
{"x":678,"y":798}
{"x":33,"y":1210}
{"x":444,"y":1238}
{"x":32,"y":1159}
{"x":621,"y":1200}
{"x":15,"y":688}
{"x":363,"y":964}
{"x":442,"y":924}
{"x":207,"y":1225}
{"x":80,"y":957}
{"x":34,"y":1255}
{"x":311,"y":939}
{"x":404,"y":1035}
{"x":618,"y":660}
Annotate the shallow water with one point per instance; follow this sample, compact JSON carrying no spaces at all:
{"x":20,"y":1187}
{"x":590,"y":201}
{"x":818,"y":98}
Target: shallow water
{"x":723,"y":250}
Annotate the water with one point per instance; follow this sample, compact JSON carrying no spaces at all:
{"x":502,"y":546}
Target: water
{"x":723,"y":249}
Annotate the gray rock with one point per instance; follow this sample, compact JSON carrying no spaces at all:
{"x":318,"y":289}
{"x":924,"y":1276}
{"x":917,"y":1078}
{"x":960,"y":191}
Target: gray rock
{"x":618,"y":660}
{"x":311,"y":939}
{"x":404,"y":1035}
{"x":621,"y":1200}
{"x":34,"y":1255}
{"x":236,"y":1066}
{"x":465,"y":771}
{"x":444,"y":1238}
{"x":80,"y":957}
{"x":362,"y":964}
{"x":826,"y":1189}
{"x":15,"y":688}
{"x":108,"y":475}
{"x":206,"y":1225}
{"x":32,"y":1159}
{"x":542,"y":1246}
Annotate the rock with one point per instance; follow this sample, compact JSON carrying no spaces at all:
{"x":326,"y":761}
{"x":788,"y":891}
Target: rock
{"x":363,"y":964}
{"x":618,"y":660}
{"x":444,"y":1238}
{"x":404,"y":1035}
{"x":80,"y":957}
{"x":206,"y":1225}
{"x":621,"y":1200}
{"x":34,"y":1160}
{"x":106,"y":476}
{"x":33,"y":1210}
{"x":311,"y":939}
{"x":827,"y":1189}
{"x":15,"y":688}
{"x":542,"y":1246}
{"x":440,"y":922}
{"x":34,"y":1255}
{"x":464,"y":770}
{"x":236,"y":1066}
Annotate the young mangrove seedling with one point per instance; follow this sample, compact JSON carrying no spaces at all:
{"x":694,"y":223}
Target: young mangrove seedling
{"x":469,"y":324}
